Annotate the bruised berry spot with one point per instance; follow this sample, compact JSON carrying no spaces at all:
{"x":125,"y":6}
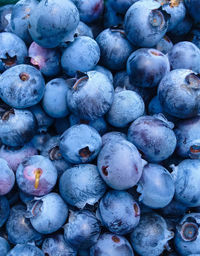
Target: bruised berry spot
{"x":115,"y":239}
{"x":9,"y":61}
{"x":24,"y":76}
{"x":135,"y":167}
{"x":104,"y":170}
{"x":85,"y":152}
{"x":136,"y":210}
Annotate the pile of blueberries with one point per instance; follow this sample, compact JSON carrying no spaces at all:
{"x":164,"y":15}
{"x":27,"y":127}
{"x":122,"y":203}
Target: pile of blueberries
{"x":100,"y":128}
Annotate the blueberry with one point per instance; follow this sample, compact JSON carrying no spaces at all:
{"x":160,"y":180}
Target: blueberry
{"x":194,"y":37}
{"x":4,"y":246}
{"x":105,"y":71}
{"x":156,"y":186}
{"x":17,"y":127}
{"x":164,"y":45}
{"x":48,"y":213}
{"x":174,"y":209}
{"x":185,"y":55}
{"x":25,"y":250}
{"x":151,"y":235}
{"x":82,"y":230}
{"x":115,"y":48}
{"x":4,"y":211}
{"x":120,"y":164}
{"x":146,"y":67}
{"x":153,"y":135}
{"x":36,"y":175}
{"x":81,"y":55}
{"x":91,"y":95}
{"x":84,"y":30}
{"x":186,"y":177}
{"x":119,"y":212}
{"x":112,"y":136}
{"x":88,"y":188}
{"x":39,"y":140}
{"x":19,"y":228}
{"x":193,"y":9}
{"x":145,"y":23}
{"x":25,"y":198}
{"x":111,"y":245}
{"x":7,"y":178}
{"x":5,"y":17}
{"x":46,"y":29}
{"x":80,"y":144}
{"x":61,"y":125}
{"x":126,"y":107}
{"x":111,"y":17}
{"x":21,"y":86}
{"x":56,"y":246}
{"x":54,"y":100}
{"x":121,"y":6}
{"x":178,"y":93}
{"x":182,"y":29}
{"x":13,"y":51}
{"x":46,"y":60}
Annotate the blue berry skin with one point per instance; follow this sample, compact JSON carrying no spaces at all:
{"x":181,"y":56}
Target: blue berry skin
{"x":52,"y":151}
{"x":156,"y":186}
{"x":194,"y":37}
{"x":17,"y":127}
{"x":19,"y":228}
{"x":13,"y":51}
{"x":20,"y":18}
{"x":82,"y":230}
{"x":188,"y":138}
{"x":4,"y":210}
{"x":146,"y":67}
{"x":80,"y":144}
{"x":112,"y":136}
{"x":61,"y":125}
{"x":185,"y":55}
{"x":56,"y":246}
{"x":187,"y":237}
{"x":174,"y":209}
{"x":21,"y":86}
{"x":91,"y":96}
{"x":25,"y":250}
{"x":7,"y":178}
{"x":145,"y":24}
{"x":111,"y":245}
{"x":39,"y":140}
{"x":119,"y":212}
{"x":115,"y":48}
{"x":151,"y":235}
{"x":88,"y":188}
{"x":5,"y":17}
{"x":193,"y":9}
{"x":150,"y":134}
{"x":82,"y":54}
{"x":182,"y":29}
{"x":187,"y":178}
{"x":120,"y":164}
{"x":111,"y":17}
{"x":54,"y":101}
{"x":25,"y":198}
{"x":126,"y":107}
{"x":164,"y":45}
{"x":84,"y":30}
{"x":121,"y":6}
{"x":178,"y":93}
{"x":36,"y":175}
{"x":4,"y":246}
{"x":89,"y":10}
{"x":105,"y":71}
{"x":48,"y":213}
{"x":46,"y":60}
{"x":46,"y":29}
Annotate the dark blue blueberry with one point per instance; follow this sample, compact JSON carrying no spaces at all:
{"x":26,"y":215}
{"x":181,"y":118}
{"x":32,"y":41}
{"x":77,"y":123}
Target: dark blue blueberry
{"x":48,"y":213}
{"x":185,"y":55}
{"x":194,"y":37}
{"x":19,"y":228}
{"x":61,"y":125}
{"x":25,"y":198}
{"x":17,"y":127}
{"x":13,"y":51}
{"x":111,"y":17}
{"x":21,"y":86}
{"x":153,"y":135}
{"x":46,"y":60}
{"x":151,"y":235}
{"x":182,"y":29}
{"x":120,"y":164}
{"x":178,"y":93}
{"x":84,"y":30}
{"x":7,"y":178}
{"x":187,"y":237}
{"x":91,"y":95}
{"x":46,"y":29}
{"x":82,"y":230}
{"x":156,"y":186}
{"x":126,"y":107}
{"x":121,"y":6}
{"x":193,"y":9}
{"x":54,"y":100}
{"x":119,"y":212}
{"x":145,"y":23}
{"x":115,"y":48}
{"x":36,"y":175}
{"x":111,"y":245}
{"x":81,"y":55}
{"x":4,"y":246}
{"x":4,"y":210}
{"x":174,"y":209}
{"x":164,"y":45}
{"x":56,"y":246}
{"x":81,"y":185}
{"x":25,"y":250}
{"x":5,"y":17}
{"x":146,"y":67}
